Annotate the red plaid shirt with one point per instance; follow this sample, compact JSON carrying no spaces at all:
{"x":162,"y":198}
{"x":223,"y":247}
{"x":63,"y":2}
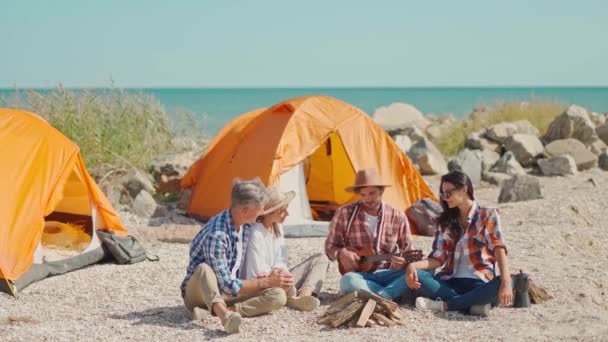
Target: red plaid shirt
{"x":394,"y":231}
{"x":477,"y":244}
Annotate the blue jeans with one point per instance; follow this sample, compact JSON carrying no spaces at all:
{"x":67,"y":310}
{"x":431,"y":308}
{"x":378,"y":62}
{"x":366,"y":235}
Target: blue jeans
{"x":459,"y":293}
{"x":389,"y":284}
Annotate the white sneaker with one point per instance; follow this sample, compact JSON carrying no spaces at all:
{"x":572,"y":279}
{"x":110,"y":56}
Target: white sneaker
{"x":198,"y":314}
{"x":429,"y":304}
{"x":482,"y":310}
{"x":232,"y":323}
{"x":306,"y":303}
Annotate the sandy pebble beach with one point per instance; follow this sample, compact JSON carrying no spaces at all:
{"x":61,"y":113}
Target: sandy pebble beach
{"x":560,"y":240}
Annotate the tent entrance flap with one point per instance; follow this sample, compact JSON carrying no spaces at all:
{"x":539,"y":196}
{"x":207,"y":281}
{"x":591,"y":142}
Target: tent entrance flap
{"x":330,"y":172}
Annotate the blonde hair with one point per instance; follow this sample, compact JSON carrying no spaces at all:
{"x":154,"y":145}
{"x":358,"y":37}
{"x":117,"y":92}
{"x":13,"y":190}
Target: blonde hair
{"x":275,"y":229}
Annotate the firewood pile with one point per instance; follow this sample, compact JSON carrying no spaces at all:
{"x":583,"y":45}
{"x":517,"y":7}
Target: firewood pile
{"x":362,"y":309}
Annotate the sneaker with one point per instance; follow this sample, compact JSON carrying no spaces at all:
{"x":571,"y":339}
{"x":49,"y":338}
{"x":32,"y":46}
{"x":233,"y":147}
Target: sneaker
{"x":429,"y":304}
{"x":482,"y":310}
{"x":232,"y":323}
{"x":306,"y":303}
{"x":198,"y":314}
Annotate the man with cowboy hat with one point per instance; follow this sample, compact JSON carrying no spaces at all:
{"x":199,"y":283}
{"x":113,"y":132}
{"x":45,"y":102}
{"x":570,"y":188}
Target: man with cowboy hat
{"x":369,"y":223}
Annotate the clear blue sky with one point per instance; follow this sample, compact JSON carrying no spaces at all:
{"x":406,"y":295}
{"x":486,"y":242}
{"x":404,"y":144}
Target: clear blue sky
{"x":305,"y":43}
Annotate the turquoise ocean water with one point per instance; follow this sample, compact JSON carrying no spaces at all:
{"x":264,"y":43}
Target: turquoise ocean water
{"x":218,"y":106}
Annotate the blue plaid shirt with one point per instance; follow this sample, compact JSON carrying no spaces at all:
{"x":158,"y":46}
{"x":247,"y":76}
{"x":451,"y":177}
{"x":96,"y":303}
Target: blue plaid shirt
{"x":215,"y":245}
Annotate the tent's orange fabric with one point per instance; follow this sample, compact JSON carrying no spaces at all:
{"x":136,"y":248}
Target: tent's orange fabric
{"x":37,"y":161}
{"x":266,"y":143}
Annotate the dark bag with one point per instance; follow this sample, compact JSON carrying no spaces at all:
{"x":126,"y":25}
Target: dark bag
{"x":124,"y":249}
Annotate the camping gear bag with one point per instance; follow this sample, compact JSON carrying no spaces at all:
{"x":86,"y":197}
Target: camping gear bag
{"x":124,"y":249}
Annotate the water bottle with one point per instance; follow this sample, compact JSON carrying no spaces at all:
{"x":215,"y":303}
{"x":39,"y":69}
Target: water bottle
{"x":522,"y":298}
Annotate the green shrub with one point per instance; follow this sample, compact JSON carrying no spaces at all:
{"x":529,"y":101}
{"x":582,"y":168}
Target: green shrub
{"x":110,"y":125}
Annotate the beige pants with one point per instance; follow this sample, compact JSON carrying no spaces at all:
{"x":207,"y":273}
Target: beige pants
{"x":310,"y":273}
{"x":202,"y":291}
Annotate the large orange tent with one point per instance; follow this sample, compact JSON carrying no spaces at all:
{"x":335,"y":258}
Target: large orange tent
{"x":44,"y":180}
{"x":316,"y":141}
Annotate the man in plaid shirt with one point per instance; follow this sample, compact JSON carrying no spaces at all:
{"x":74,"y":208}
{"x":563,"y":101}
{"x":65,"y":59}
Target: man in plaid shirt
{"x":370,"y":223}
{"x":212,"y":279}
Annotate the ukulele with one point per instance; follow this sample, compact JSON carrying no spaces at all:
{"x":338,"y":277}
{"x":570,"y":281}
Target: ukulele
{"x":369,"y":260}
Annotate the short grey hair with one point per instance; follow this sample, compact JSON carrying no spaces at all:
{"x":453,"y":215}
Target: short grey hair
{"x":248,"y":192}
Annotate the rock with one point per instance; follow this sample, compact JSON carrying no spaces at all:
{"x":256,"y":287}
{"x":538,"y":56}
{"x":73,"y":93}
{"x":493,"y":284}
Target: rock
{"x":144,"y":205}
{"x":428,"y":158}
{"x":434,"y":131}
{"x":477,"y":141}
{"x":574,"y":123}
{"x":602,"y":132}
{"x":603,"y":161}
{"x":403,"y":141}
{"x":469,"y":162}
{"x":184,"y":200}
{"x":398,"y":116}
{"x":136,"y":181}
{"x":525,"y":147}
{"x":173,"y":164}
{"x":500,"y":132}
{"x":525,"y":127}
{"x":508,"y":164}
{"x":414,"y":133}
{"x":558,"y":166}
{"x":423,"y":215}
{"x":584,"y":158}
{"x":597,"y":147}
{"x":169,"y":185}
{"x":495,"y":177}
{"x":520,"y":188}
{"x":488,"y":159}
{"x":598,"y":119}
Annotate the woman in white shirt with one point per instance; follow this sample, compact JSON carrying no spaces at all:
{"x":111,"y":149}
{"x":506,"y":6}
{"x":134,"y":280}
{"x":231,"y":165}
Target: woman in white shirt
{"x":267,"y":253}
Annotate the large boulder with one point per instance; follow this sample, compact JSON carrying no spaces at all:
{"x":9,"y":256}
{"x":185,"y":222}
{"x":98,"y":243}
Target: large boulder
{"x":144,"y":205}
{"x":574,"y":123}
{"x":584,"y":158}
{"x":558,"y":166}
{"x":603,"y":161}
{"x":597,"y":147}
{"x":508,"y":164}
{"x":520,"y":188}
{"x":501,"y":131}
{"x":414,"y":133}
{"x":598,"y":119}
{"x":525,"y":147}
{"x":423,"y":215}
{"x":428,"y":158}
{"x":469,"y":162}
{"x":173,"y":164}
{"x":136,"y":181}
{"x":525,"y":127}
{"x":477,"y":141}
{"x":495,"y":177}
{"x":488,"y":159}
{"x":403,"y":141}
{"x":398,"y":116}
{"x":602,"y":132}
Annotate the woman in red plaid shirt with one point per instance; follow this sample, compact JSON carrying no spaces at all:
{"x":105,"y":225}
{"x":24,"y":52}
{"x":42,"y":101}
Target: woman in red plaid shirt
{"x":369,"y":223}
{"x":468,"y":243}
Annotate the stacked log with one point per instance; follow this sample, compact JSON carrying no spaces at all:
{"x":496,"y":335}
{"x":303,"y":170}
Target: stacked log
{"x":362,"y":309}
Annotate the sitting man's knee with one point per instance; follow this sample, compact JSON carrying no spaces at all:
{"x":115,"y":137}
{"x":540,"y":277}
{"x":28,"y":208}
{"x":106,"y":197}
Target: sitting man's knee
{"x":276,"y":297}
{"x":349,"y":281}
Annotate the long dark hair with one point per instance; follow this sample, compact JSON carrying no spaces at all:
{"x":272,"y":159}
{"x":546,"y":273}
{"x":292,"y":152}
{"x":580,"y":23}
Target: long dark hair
{"x":449,"y":216}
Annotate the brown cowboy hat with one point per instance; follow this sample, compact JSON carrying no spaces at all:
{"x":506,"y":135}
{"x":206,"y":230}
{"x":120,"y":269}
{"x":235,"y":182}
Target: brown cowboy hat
{"x":277,"y":199}
{"x":364,"y":178}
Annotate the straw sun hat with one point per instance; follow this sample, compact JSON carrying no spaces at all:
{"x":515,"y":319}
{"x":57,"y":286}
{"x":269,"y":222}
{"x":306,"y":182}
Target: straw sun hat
{"x":277,"y":199}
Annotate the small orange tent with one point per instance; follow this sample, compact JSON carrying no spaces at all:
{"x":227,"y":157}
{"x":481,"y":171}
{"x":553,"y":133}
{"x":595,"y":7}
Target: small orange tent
{"x":43,"y":178}
{"x":332,"y":138}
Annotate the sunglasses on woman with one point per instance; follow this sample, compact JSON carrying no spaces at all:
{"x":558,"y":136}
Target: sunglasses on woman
{"x":447,"y":194}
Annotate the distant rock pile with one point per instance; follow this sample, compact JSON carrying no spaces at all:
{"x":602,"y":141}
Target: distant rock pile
{"x":501,"y":154}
